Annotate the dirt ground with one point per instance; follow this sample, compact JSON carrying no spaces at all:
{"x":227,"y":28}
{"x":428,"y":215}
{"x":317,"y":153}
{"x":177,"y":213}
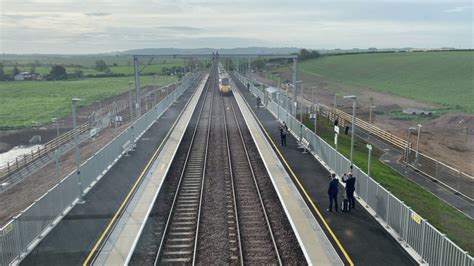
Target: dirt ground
{"x":441,"y":138}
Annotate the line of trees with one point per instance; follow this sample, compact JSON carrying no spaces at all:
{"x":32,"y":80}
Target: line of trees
{"x":306,"y":55}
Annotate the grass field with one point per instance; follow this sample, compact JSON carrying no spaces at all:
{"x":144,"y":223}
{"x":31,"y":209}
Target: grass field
{"x":121,"y":69}
{"x":444,"y":78}
{"x":458,"y":227}
{"x":83,"y":60}
{"x":22,"y":102}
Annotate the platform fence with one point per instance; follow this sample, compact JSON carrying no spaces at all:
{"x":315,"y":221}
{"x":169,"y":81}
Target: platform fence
{"x":19,"y":236}
{"x":411,"y":229}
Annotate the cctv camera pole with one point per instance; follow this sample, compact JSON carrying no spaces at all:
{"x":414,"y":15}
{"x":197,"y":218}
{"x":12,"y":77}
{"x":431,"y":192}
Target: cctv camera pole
{"x":137,"y":86}
{"x":77,"y":152}
{"x":295,"y":69}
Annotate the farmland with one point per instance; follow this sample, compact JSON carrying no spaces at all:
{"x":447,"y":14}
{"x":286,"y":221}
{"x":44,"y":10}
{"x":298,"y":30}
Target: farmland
{"x":25,"y":101}
{"x":22,"y":102}
{"x":444,"y":78}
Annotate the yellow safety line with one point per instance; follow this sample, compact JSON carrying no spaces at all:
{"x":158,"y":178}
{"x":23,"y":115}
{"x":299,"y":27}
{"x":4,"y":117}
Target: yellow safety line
{"x":132,"y":190}
{"x":346,"y":255}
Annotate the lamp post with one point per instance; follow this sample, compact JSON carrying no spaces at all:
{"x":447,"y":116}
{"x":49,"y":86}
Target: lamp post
{"x":418,"y":143}
{"x":76,"y":147}
{"x":287,"y":103}
{"x":353,"y":98}
{"x":369,"y":147}
{"x":130,"y":102}
{"x":410,"y":129}
{"x":301,"y":109}
{"x":279,"y":95}
{"x":370,"y":119}
{"x":131,"y":110}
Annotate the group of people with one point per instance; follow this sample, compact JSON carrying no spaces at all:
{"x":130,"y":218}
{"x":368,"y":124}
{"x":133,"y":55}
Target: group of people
{"x":333,"y":190}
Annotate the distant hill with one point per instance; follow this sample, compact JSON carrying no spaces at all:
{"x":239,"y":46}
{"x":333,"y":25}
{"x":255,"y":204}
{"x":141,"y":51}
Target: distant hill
{"x":247,"y":50}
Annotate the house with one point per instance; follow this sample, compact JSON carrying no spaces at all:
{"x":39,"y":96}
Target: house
{"x":28,"y":76}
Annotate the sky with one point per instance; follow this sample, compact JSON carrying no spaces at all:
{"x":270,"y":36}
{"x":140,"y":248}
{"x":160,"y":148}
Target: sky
{"x":94,"y":26}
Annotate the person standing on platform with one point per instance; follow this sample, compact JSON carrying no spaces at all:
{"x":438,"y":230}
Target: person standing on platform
{"x":350,"y":188}
{"x":333,"y":190}
{"x":259,"y":101}
{"x":248,"y":86}
{"x":283,"y":133}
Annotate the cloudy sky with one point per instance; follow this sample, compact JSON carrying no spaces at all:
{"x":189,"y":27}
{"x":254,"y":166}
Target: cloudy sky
{"x":91,"y":26}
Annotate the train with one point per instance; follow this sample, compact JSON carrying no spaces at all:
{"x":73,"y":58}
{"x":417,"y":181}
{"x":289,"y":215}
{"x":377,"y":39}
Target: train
{"x":224,"y":81}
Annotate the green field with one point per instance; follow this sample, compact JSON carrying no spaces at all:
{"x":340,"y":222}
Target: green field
{"x":444,"y":78}
{"x":83,"y":60}
{"x":89,"y":70}
{"x":457,"y":227}
{"x":22,"y":102}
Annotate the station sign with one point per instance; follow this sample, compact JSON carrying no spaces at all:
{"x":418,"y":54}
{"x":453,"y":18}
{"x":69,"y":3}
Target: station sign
{"x":336,"y":129}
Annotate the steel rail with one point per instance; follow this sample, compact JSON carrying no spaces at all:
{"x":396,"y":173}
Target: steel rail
{"x":257,"y":186}
{"x":233,"y":186}
{"x":182,"y":175}
{"x":203,"y":172}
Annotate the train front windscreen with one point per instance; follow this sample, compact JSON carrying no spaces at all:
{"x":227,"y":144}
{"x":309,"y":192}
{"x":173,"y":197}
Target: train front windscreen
{"x":225,"y":81}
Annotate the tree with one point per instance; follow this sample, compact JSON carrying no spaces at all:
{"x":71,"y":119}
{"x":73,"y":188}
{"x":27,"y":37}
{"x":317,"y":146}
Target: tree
{"x":2,"y":72}
{"x":58,"y":72}
{"x":305,"y":54}
{"x":33,"y":69}
{"x":100,"y":65}
{"x":259,"y":63}
{"x":78,"y":73}
{"x":15,"y":71}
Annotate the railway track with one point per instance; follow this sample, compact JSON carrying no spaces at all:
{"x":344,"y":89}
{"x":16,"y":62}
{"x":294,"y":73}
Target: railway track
{"x":258,"y":245}
{"x":216,"y":207}
{"x":178,"y":244}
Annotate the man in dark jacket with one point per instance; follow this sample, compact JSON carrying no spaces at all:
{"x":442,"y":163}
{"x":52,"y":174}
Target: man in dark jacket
{"x":350,"y":188}
{"x":283,"y":133}
{"x":332,"y":192}
{"x":259,"y":101}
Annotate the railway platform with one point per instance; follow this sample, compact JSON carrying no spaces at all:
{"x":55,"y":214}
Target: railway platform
{"x":118,"y":248}
{"x":316,"y":246}
{"x":358,"y":238}
{"x":73,"y":239}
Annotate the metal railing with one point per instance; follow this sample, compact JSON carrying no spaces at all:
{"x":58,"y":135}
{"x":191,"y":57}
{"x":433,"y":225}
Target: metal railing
{"x":414,"y":231}
{"x":19,"y":236}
